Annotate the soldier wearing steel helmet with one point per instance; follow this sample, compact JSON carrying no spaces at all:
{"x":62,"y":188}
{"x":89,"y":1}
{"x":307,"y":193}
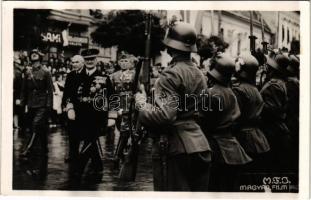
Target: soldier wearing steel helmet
{"x":247,"y":126}
{"x":184,"y":165}
{"x":292,"y":113}
{"x":274,"y":94}
{"x":220,"y":111}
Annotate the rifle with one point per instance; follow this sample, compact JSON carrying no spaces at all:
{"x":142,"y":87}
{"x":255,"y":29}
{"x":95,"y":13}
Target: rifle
{"x":265,"y":51}
{"x":264,"y":43}
{"x":142,"y":75}
{"x":252,"y":38}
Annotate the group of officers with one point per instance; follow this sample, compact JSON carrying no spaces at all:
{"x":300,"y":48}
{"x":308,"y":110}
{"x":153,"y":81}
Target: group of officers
{"x":245,"y":128}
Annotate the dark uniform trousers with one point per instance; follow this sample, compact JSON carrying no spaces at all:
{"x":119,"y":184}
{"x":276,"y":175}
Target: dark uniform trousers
{"x":228,"y":155}
{"x":184,"y":166}
{"x":37,"y":94}
{"x":39,"y":126}
{"x":70,"y":96}
{"x":273,"y":124}
{"x":91,"y":117}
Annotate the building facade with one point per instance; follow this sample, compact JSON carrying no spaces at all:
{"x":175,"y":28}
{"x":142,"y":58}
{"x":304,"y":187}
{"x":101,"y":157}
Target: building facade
{"x":279,"y":29}
{"x":60,"y":34}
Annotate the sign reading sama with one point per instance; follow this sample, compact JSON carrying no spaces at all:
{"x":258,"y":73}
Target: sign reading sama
{"x":51,"y":37}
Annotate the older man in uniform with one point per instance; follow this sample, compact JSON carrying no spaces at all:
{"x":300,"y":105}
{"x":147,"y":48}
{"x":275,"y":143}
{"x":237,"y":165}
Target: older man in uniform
{"x":37,"y":96}
{"x":188,"y":155}
{"x":91,"y":110}
{"x":70,"y":101}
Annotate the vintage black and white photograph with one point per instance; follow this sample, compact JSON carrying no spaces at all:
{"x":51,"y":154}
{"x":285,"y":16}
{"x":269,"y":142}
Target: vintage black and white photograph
{"x":156,"y":100}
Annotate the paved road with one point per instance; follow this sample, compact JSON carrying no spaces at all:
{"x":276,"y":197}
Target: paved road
{"x":51,"y":172}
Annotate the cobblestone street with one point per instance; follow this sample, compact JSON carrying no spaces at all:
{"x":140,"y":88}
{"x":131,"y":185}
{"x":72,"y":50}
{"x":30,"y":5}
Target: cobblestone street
{"x":51,"y":172}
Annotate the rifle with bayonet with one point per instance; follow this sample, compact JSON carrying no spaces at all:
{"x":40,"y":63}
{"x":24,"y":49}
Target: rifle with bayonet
{"x":264,"y":51}
{"x":252,"y":37}
{"x":142,"y":76}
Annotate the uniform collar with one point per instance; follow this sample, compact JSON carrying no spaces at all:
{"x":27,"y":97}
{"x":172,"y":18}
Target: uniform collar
{"x":36,"y":68}
{"x":181,"y":58}
{"x":90,"y":72}
{"x":80,"y":70}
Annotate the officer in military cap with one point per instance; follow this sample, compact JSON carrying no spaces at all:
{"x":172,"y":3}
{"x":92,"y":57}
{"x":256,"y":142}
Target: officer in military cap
{"x":274,"y":94}
{"x":69,"y":102}
{"x":122,"y":81}
{"x":220,"y":110}
{"x":37,"y":96}
{"x":181,"y":152}
{"x":251,"y":104}
{"x":91,"y":110}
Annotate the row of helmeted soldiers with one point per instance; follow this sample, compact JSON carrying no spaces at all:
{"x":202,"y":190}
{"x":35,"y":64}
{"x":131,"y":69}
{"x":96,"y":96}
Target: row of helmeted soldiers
{"x":240,"y":136}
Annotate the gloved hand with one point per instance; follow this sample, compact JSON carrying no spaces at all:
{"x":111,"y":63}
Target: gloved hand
{"x":140,"y":97}
{"x":71,"y":114}
{"x":111,"y":122}
{"x":119,"y":112}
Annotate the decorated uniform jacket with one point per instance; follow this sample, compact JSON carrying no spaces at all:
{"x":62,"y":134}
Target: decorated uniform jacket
{"x":122,"y":82}
{"x":93,"y":100}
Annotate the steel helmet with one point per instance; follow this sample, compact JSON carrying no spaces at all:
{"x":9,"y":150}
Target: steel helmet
{"x":222,"y":68}
{"x":278,"y":62}
{"x":181,"y":36}
{"x":247,"y":67}
{"x":294,"y":64}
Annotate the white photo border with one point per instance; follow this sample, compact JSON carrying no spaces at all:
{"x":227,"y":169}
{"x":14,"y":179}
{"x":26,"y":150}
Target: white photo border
{"x":7,"y":91}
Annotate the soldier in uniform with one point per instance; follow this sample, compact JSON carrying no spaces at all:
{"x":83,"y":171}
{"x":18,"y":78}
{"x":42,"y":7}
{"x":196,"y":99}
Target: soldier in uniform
{"x":91,"y":111}
{"x":220,"y":110}
{"x":274,"y":94}
{"x":292,"y":114}
{"x":37,"y":96}
{"x":122,"y":81}
{"x":173,"y":119}
{"x":70,"y":101}
{"x":247,"y":130}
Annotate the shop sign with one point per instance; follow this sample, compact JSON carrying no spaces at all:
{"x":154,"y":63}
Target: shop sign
{"x":77,"y":41}
{"x":51,"y":37}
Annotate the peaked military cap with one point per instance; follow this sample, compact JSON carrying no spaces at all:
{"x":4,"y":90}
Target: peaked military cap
{"x":36,"y":51}
{"x":90,"y":53}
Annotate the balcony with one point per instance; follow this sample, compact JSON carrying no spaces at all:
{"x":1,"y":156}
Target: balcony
{"x":71,"y":16}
